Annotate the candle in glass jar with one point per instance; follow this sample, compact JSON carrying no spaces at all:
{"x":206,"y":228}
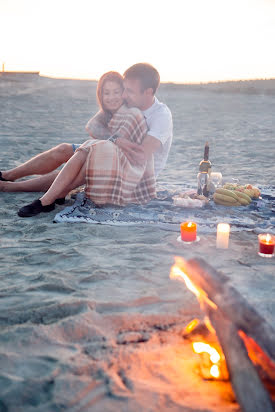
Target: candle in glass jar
{"x":223,"y":230}
{"x":188,"y":231}
{"x":266,"y":245}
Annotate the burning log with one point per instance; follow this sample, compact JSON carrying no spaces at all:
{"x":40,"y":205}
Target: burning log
{"x":238,"y":327}
{"x":230,"y":302}
{"x":245,"y":380}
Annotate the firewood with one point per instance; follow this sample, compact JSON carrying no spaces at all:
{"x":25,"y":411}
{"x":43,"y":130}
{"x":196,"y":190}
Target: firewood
{"x":231,"y":303}
{"x":248,"y":388}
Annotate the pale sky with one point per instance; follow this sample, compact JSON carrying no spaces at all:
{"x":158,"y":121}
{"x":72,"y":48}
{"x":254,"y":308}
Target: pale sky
{"x":186,"y":40}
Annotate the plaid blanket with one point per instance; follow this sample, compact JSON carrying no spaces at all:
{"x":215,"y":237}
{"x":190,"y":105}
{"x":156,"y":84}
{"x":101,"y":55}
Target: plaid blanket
{"x":97,"y":126}
{"x":110,"y":177}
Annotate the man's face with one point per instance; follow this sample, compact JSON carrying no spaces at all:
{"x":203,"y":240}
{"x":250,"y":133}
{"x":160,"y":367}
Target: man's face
{"x":134,"y":95}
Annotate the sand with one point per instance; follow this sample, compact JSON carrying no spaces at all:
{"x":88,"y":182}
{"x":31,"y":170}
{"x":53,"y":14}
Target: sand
{"x":89,"y":317}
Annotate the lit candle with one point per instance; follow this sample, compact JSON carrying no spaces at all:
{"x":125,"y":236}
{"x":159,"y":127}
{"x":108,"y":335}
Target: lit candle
{"x":266,"y":245}
{"x":223,"y":230}
{"x":188,"y":231}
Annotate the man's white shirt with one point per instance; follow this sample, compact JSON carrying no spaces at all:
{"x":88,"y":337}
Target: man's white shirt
{"x":160,"y":125}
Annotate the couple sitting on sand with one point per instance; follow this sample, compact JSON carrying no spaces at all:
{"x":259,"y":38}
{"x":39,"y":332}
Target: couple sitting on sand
{"x":130,"y":140}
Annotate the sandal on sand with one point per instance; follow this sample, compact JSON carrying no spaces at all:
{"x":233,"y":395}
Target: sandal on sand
{"x":35,"y":208}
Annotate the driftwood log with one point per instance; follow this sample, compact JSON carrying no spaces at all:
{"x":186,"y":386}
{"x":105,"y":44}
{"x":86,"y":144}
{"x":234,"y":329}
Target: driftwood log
{"x":231,"y":303}
{"x":234,"y":318}
{"x":248,"y":388}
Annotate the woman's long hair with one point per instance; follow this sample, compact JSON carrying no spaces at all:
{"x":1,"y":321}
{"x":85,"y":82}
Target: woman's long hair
{"x":111,"y":77}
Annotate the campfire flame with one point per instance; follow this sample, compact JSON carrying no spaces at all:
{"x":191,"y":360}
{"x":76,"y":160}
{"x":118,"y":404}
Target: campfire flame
{"x":215,"y":371}
{"x":177,"y":272}
{"x":209,"y":326}
{"x":201,"y":347}
{"x":191,"y":326}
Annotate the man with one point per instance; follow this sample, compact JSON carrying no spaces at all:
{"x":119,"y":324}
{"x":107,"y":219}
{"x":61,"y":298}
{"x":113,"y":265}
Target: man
{"x":141,"y":82}
{"x":140,"y":85}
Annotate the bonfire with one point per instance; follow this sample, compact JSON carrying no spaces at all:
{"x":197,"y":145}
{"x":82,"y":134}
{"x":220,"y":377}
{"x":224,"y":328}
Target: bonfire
{"x":240,"y":345}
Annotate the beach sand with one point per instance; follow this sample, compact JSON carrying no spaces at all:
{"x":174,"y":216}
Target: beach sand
{"x":89,"y":317}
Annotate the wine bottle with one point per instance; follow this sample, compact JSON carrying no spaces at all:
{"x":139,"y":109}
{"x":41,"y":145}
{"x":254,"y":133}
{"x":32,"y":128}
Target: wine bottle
{"x":204,"y":173}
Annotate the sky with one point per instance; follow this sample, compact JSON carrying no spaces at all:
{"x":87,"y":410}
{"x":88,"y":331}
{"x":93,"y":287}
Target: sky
{"x":186,"y":40}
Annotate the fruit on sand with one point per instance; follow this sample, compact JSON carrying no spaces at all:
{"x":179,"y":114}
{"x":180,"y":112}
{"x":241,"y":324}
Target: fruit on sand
{"x":222,"y":199}
{"x":252,"y":191}
{"x":243,"y":196}
{"x":227,"y":192}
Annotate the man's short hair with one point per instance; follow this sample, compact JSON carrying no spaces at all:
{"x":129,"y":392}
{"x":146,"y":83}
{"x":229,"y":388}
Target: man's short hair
{"x":146,"y":74}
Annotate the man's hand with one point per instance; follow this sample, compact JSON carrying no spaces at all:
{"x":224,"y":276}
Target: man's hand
{"x":134,"y":152}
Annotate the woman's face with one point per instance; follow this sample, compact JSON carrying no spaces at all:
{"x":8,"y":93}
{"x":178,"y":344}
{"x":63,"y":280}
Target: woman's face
{"x":112,"y":96}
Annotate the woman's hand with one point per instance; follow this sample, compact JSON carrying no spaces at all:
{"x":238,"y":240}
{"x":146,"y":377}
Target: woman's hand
{"x":134,"y":152}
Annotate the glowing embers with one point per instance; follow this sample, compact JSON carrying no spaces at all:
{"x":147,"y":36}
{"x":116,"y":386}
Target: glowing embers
{"x":209,"y":359}
{"x":211,"y":363}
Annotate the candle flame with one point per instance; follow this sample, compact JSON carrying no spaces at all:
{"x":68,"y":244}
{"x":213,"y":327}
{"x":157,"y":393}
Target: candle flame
{"x":190,"y":224}
{"x":268,"y":237}
{"x":223,"y":227}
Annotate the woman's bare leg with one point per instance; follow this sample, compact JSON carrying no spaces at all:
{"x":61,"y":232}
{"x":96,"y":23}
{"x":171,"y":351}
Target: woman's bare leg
{"x":37,"y":184}
{"x":78,"y":181}
{"x":68,"y":175}
{"x":41,"y":164}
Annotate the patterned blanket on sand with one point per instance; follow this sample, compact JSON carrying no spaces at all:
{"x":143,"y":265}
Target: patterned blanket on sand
{"x":259,"y":216}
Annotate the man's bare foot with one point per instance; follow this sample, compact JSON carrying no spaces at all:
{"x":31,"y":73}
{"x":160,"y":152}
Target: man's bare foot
{"x":3,"y":178}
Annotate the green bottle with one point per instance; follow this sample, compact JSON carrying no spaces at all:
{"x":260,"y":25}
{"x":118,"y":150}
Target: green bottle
{"x":204,"y":173}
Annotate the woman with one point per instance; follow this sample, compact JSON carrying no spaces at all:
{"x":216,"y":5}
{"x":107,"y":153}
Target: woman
{"x":111,"y":177}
